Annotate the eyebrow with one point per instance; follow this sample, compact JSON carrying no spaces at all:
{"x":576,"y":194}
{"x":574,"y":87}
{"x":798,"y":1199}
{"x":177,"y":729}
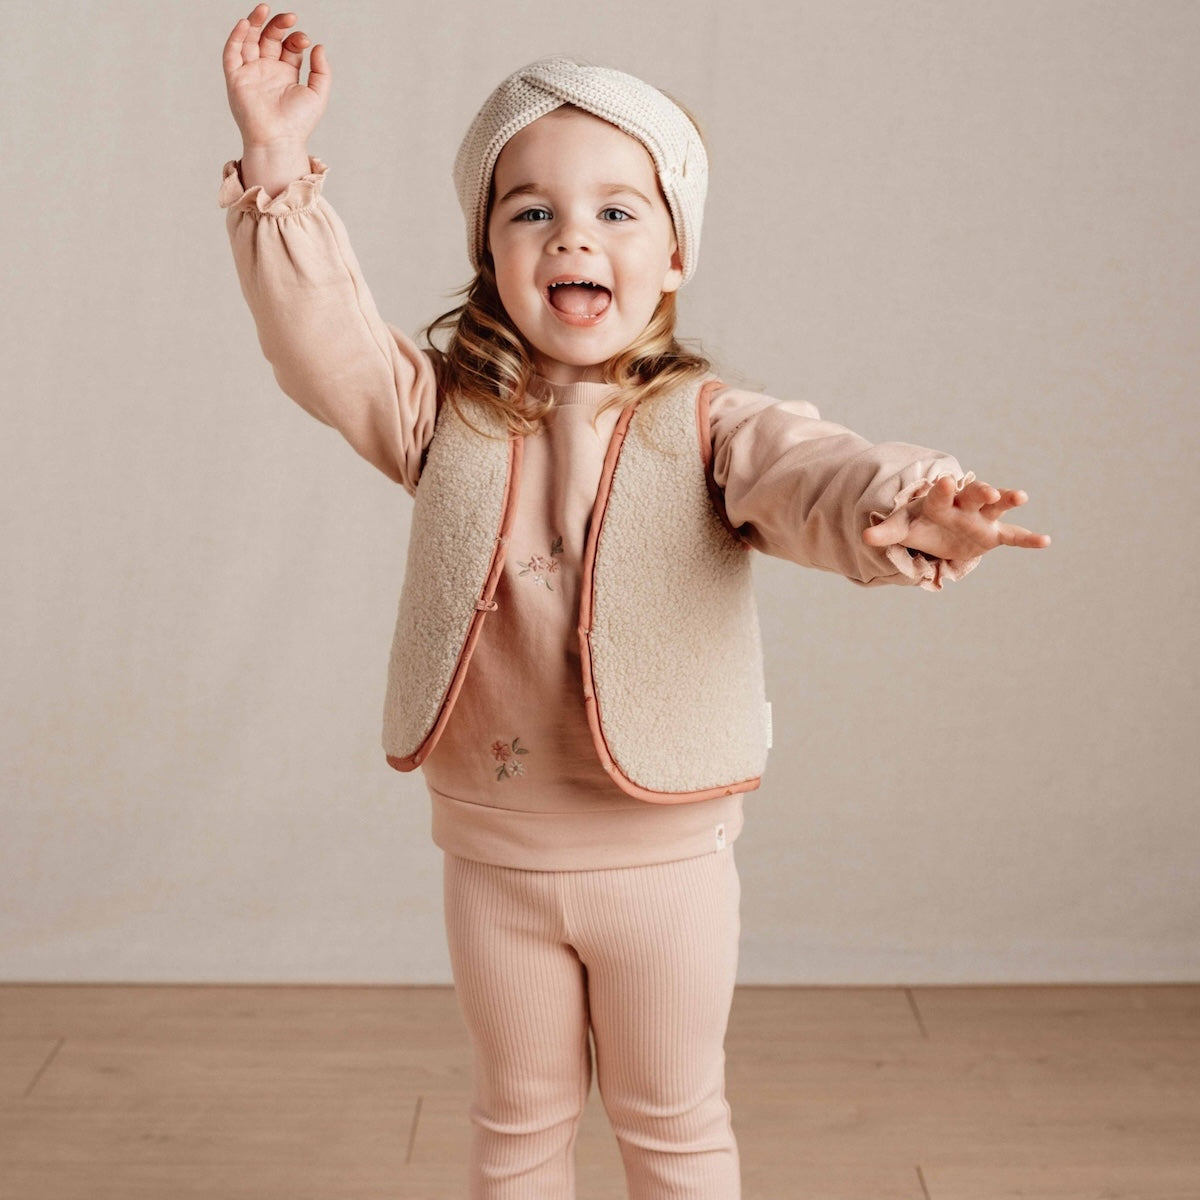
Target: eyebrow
{"x":607,"y":189}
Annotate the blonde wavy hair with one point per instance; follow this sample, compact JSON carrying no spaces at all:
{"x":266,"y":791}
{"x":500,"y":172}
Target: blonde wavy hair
{"x":486,"y":360}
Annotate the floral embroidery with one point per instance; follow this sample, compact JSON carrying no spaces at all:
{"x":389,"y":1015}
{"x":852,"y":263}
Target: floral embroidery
{"x":540,"y":567}
{"x":506,"y":755}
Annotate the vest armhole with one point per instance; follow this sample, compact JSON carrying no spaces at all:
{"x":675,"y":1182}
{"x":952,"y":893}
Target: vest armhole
{"x":704,"y":432}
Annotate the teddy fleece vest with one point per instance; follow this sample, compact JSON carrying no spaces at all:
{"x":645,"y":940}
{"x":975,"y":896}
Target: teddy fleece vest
{"x":672,"y":661}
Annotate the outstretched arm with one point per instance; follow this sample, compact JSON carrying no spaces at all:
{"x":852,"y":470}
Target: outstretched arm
{"x":952,"y":524}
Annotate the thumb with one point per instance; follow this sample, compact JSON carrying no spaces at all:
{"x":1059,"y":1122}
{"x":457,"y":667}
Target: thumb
{"x":889,"y":532}
{"x":319,"y":75}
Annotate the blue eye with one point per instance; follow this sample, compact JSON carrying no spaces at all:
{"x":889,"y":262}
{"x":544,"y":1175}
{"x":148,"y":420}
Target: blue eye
{"x":533,"y":214}
{"x":616,"y":215}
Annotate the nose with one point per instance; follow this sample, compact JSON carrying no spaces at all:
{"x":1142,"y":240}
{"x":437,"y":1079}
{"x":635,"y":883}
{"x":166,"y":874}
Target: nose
{"x":570,"y":236}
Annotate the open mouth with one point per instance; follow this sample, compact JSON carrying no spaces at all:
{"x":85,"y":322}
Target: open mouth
{"x":579,"y":297}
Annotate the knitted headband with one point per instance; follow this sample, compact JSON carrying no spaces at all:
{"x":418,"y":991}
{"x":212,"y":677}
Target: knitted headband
{"x":623,"y":100}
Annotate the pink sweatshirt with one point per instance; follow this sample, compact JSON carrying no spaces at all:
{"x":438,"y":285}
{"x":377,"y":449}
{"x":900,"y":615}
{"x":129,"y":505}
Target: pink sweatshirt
{"x":514,"y":779}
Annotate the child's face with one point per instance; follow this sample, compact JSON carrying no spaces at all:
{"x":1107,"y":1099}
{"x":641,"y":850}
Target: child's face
{"x":577,"y":199}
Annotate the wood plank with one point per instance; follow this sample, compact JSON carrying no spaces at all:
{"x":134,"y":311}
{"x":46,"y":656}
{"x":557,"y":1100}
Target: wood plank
{"x":1146,"y":1180}
{"x":22,"y":1061}
{"x":790,"y":1017}
{"x":121,"y":1074}
{"x":973,"y":1108}
{"x":276,"y":1015}
{"x":818,"y":1180}
{"x":217,"y":1181}
{"x":356,"y":1131}
{"x":1158,"y":1012}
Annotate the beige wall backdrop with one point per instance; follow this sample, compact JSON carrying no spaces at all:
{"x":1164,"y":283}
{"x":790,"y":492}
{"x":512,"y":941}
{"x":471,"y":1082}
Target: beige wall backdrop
{"x":973,"y":225}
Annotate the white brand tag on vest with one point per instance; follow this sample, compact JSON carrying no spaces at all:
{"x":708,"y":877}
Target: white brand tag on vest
{"x":767,"y":722}
{"x":720,"y":837}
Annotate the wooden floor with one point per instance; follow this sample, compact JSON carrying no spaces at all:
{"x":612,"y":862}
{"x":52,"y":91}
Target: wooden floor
{"x":288,"y":1093}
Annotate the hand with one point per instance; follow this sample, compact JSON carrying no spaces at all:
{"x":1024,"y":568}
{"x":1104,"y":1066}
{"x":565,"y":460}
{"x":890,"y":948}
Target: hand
{"x":950,"y":524}
{"x":262,"y":77}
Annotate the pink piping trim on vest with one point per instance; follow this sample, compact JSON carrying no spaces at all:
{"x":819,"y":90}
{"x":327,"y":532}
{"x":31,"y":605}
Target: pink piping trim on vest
{"x":484,"y":605}
{"x":587,"y":604}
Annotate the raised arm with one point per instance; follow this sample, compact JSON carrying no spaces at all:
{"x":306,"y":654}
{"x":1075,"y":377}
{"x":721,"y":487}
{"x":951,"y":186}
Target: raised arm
{"x":316,"y":320}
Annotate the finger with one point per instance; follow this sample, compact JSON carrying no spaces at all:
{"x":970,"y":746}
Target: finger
{"x":975,"y":495}
{"x":1025,"y":539}
{"x":292,"y":48}
{"x":939,"y":500}
{"x":1008,"y":500}
{"x":242,"y":41}
{"x":319,"y":74}
{"x":271,"y":43}
{"x":253,"y":35}
{"x":231,"y":55}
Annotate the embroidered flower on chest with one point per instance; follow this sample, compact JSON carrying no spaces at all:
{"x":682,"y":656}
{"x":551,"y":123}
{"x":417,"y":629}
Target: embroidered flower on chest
{"x":540,"y":567}
{"x":505,"y":753}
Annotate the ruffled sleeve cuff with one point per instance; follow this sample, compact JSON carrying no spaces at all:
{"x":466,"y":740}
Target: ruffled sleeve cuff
{"x":297,"y":196}
{"x":920,"y":569}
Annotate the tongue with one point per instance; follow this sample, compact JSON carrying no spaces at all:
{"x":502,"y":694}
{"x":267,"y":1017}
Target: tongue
{"x":580,"y":300}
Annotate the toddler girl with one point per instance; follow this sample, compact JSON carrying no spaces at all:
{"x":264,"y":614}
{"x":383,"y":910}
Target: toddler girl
{"x":576,"y":664}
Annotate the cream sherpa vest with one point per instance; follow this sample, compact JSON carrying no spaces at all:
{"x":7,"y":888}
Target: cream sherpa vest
{"x":672,"y":662}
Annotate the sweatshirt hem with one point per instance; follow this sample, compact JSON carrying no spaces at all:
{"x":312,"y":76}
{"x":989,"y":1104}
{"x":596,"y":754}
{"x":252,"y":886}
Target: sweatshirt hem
{"x":637,"y":836}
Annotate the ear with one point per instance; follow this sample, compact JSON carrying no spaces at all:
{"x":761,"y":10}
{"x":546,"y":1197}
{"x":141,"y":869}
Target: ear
{"x":674,"y":275}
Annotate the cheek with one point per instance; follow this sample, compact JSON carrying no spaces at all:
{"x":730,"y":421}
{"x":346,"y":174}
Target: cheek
{"x":512,"y":295}
{"x":500,"y":268}
{"x":506,"y":261}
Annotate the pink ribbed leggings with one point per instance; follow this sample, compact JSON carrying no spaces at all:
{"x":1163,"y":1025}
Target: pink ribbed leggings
{"x":643,"y":956}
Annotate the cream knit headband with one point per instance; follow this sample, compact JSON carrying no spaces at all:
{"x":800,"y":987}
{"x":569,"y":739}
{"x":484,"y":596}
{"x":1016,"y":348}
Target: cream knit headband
{"x":623,"y":100}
